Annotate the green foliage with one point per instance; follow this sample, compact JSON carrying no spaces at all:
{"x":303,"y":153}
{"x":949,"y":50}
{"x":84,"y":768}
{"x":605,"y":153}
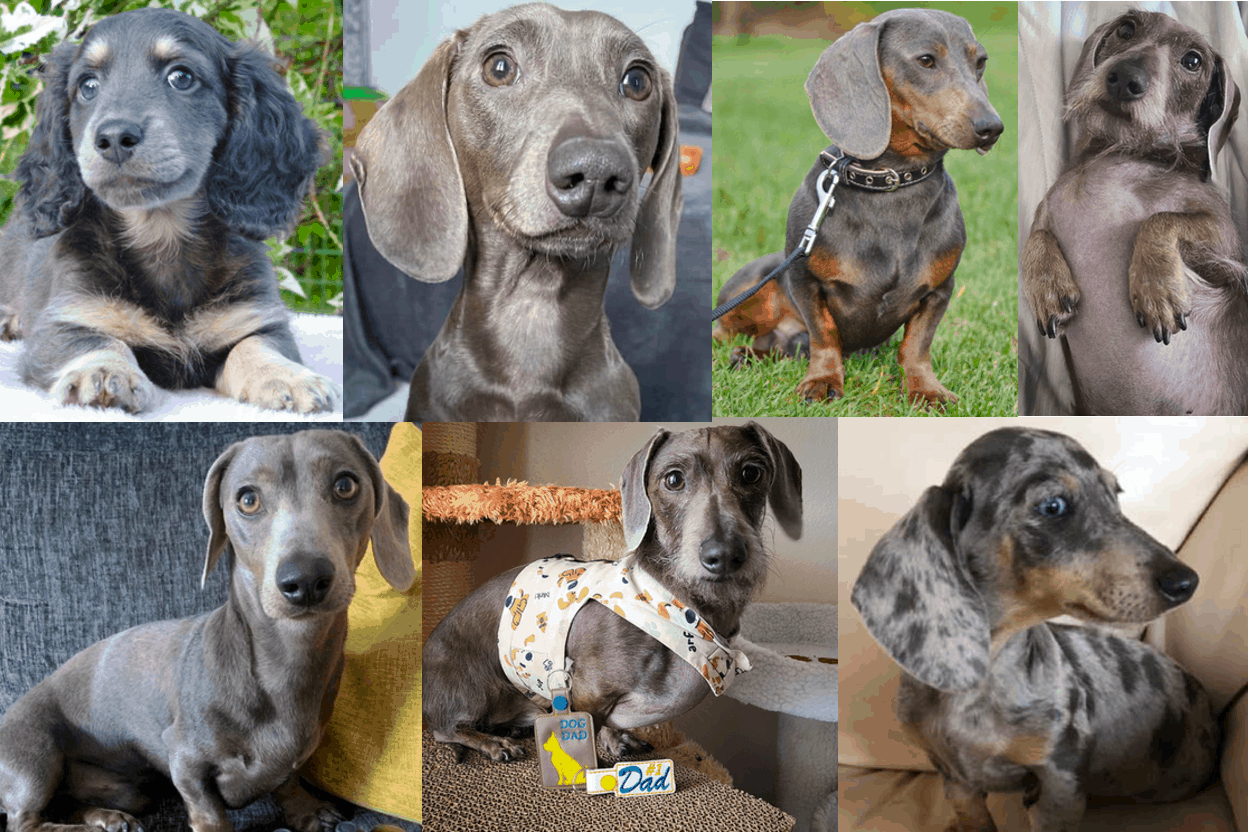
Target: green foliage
{"x":306,"y":36}
{"x":766,"y":140}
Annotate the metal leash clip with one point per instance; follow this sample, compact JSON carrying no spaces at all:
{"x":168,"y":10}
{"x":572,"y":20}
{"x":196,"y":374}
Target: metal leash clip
{"x":826,"y":201}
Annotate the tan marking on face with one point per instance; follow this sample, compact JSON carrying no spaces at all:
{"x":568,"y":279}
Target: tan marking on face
{"x":96,"y":52}
{"x":165,"y":48}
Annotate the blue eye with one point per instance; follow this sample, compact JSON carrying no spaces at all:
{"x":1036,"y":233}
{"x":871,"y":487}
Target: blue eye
{"x":1053,"y":507}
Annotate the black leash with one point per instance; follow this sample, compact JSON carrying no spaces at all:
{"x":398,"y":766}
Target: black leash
{"x":827,"y":183}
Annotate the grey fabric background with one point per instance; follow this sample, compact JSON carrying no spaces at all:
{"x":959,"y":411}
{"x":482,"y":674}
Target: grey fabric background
{"x":101,"y":528}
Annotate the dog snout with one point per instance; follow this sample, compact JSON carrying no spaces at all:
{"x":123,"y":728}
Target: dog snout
{"x":1127,"y":80}
{"x":1177,"y":583}
{"x":305,"y":580}
{"x":116,"y":139}
{"x":723,"y":557}
{"x":588,"y":176}
{"x":988,"y":128}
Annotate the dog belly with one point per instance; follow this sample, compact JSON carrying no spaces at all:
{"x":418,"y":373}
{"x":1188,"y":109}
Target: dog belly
{"x":1119,"y":367}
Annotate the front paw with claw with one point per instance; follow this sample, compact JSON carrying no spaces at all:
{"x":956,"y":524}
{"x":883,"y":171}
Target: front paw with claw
{"x":1048,"y":286}
{"x":105,"y":379}
{"x":1158,"y":287}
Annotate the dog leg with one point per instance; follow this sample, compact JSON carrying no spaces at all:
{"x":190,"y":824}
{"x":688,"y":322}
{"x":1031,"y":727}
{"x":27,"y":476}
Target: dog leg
{"x":1048,"y":286}
{"x":499,"y":749}
{"x":971,"y":808}
{"x":825,"y":376}
{"x":108,"y":377}
{"x":255,"y":372}
{"x":303,"y":811}
{"x":915,"y":353}
{"x":1156,"y":278}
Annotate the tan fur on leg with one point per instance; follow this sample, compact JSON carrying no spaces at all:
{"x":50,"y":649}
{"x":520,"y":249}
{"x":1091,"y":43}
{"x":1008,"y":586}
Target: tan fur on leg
{"x":108,"y":377}
{"x":258,"y":374}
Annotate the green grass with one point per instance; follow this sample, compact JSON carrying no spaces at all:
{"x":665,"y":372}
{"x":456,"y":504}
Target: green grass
{"x":765,"y":141}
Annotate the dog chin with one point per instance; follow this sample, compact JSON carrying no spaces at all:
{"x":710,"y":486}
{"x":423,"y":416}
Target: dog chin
{"x":121,"y":192}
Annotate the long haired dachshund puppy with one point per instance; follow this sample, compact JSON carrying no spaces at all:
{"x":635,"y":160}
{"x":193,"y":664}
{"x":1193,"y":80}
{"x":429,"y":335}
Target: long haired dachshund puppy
{"x":1134,"y":244}
{"x":162,"y":156}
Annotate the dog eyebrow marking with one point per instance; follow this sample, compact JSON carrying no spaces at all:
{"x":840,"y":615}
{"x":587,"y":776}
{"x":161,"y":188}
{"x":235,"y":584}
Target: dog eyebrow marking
{"x":96,"y":52}
{"x":166,"y":48}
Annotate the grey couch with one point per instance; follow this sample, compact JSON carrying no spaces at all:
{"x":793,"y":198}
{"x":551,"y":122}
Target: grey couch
{"x":101,"y":528}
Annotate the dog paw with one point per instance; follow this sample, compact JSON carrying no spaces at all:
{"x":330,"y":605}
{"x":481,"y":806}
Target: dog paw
{"x":315,"y":816}
{"x":621,"y":743}
{"x":931,"y":394}
{"x":111,"y":820}
{"x":1048,"y":286}
{"x":105,"y":378}
{"x":740,"y":357}
{"x":822,"y":388}
{"x":10,"y":325}
{"x":296,"y":389}
{"x":1159,"y":296}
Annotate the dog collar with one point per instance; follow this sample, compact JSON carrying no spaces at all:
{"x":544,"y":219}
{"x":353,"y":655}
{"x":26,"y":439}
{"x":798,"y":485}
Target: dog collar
{"x":546,"y":595}
{"x":877,"y":179}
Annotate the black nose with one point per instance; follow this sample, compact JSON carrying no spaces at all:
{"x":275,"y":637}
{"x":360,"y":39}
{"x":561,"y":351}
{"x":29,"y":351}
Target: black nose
{"x":988,"y":129}
{"x":720,"y":557}
{"x":1178,"y":583}
{"x":588,"y":177}
{"x":305,"y":580}
{"x":116,"y":139}
{"x":1127,"y":80}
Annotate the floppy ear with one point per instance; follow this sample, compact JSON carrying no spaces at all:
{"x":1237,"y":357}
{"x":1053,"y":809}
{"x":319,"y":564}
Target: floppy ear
{"x":213,"y":514}
{"x":918,"y":600}
{"x":652,"y":255}
{"x":1218,"y":111}
{"x":264,"y":165}
{"x":52,"y":187}
{"x":633,"y":496}
{"x":1087,"y":56}
{"x":410,"y":186}
{"x":847,"y":93}
{"x":785,"y":495}
{"x":391,"y":549}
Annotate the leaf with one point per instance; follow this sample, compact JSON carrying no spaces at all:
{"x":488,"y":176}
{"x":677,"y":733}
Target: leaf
{"x":288,"y":281}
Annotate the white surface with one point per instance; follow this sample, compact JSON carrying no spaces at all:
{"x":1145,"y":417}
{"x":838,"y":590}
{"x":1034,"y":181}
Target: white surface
{"x":320,"y":343}
{"x":770,"y":633}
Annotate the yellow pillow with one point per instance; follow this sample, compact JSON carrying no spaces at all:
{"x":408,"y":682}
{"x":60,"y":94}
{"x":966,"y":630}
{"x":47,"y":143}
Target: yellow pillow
{"x":371,"y":751}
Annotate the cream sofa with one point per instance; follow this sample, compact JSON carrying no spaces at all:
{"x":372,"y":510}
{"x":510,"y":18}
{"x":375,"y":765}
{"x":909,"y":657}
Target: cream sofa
{"x":1184,"y":482}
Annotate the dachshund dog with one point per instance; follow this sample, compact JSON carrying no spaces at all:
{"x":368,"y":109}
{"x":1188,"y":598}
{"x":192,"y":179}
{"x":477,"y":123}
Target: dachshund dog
{"x":694,"y":504}
{"x":894,"y":94}
{"x":1027,"y":527}
{"x":518,"y":152}
{"x":1134,"y":245}
{"x":162,"y":156}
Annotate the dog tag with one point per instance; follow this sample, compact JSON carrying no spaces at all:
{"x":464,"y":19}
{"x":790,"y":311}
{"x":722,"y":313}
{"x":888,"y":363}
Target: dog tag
{"x":565,"y":739}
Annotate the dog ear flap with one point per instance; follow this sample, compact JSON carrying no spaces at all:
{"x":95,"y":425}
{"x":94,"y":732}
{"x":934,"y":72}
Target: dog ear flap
{"x":213,"y":512}
{"x":1218,"y":111}
{"x":785,"y":495}
{"x":264,"y":166}
{"x":52,"y":188}
{"x":652,"y":255}
{"x":633,"y":496}
{"x":1087,"y":56}
{"x":392,"y":550}
{"x":919,"y":602}
{"x":410,"y":186}
{"x":847,"y":92}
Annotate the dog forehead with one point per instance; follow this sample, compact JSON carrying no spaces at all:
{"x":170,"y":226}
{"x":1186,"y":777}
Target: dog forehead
{"x":284,"y":459}
{"x":1152,"y":29}
{"x":152,"y":26}
{"x":920,"y":28}
{"x":1005,"y":455}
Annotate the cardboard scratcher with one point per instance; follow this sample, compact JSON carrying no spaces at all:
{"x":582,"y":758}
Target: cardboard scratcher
{"x":480,"y":795}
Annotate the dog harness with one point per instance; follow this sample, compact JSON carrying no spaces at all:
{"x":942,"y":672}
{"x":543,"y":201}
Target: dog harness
{"x":548,"y":593}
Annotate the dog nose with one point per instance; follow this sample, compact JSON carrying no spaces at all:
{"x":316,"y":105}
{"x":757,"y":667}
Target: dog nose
{"x":1127,"y":80}
{"x":722,"y":558}
{"x":1178,"y":583}
{"x":588,"y":177}
{"x":116,"y":140}
{"x":305,"y":580}
{"x":987,"y":129}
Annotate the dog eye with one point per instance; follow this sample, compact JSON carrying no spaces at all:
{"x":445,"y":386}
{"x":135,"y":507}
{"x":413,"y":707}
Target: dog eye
{"x":636,"y":84}
{"x":674,"y":480}
{"x":926,"y":61}
{"x":345,"y":487}
{"x":1192,"y":61}
{"x":751,"y":474}
{"x":1053,"y":507}
{"x":499,"y":70}
{"x":1126,"y":29}
{"x":248,"y":501}
{"x":88,"y":88}
{"x":181,"y":79}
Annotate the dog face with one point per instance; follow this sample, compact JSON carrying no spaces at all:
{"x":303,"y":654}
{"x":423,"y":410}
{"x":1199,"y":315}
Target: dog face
{"x":146,"y":108}
{"x":1144,"y":80}
{"x":517,"y":89}
{"x":156,"y":107}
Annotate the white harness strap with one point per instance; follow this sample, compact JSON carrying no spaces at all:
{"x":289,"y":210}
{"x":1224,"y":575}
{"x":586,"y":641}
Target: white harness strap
{"x":548,"y":593}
